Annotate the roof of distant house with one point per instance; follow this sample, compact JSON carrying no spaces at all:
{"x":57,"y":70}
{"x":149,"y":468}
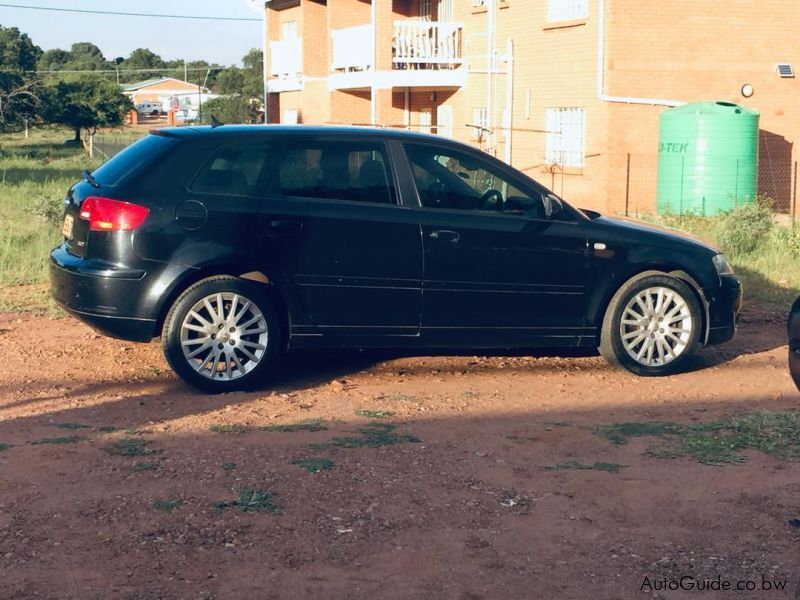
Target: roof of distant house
{"x":132,"y":87}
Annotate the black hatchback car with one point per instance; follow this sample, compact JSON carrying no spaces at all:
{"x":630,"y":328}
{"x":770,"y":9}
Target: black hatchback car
{"x":236,"y":243}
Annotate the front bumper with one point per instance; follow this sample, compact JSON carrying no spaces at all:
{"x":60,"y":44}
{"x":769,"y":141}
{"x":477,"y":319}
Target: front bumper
{"x":723,"y":310}
{"x":103,"y":295}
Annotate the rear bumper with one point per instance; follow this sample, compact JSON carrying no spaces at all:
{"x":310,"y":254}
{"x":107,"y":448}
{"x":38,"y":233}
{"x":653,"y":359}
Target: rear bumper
{"x":723,"y":310}
{"x":102,"y":295}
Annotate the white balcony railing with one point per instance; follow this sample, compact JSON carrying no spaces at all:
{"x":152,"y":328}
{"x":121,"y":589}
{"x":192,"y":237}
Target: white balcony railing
{"x":286,"y":58}
{"x":353,"y":48}
{"x":427,"y":42}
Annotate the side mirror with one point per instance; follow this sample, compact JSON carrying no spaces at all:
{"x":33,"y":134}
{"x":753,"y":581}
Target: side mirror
{"x":552,"y":206}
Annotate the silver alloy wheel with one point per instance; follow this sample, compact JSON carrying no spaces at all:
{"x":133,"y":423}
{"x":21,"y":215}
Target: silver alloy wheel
{"x":656,"y":326}
{"x":224,"y":336}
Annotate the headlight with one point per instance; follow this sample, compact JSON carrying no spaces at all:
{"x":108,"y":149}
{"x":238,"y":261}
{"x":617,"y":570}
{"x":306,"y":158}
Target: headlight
{"x":722,"y":265}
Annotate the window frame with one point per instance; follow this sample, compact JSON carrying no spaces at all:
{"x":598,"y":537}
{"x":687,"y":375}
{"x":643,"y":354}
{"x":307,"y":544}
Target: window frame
{"x":273,"y":189}
{"x":557,"y":138}
{"x":559,"y":10}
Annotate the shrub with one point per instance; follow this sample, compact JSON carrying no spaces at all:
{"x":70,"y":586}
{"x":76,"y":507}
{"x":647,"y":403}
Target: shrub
{"x":49,"y":208}
{"x":747,"y":228}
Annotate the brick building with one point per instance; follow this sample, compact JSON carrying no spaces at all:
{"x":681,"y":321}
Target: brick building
{"x":567,"y":90}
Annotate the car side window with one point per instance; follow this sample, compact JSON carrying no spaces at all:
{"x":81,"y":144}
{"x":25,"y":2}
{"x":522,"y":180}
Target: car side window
{"x":452,"y":180}
{"x":336,"y":171}
{"x":233,"y":170}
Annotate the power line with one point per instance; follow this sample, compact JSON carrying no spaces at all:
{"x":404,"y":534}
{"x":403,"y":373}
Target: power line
{"x":129,"y":14}
{"x":154,"y":70}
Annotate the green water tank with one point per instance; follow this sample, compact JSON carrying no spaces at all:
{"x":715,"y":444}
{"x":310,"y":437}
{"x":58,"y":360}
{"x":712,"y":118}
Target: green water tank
{"x":707,"y":158}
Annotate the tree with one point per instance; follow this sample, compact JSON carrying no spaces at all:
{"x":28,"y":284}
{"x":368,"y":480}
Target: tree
{"x":230,"y":81}
{"x":85,"y":103}
{"x":85,"y":56}
{"x":139,"y":59}
{"x":253,"y":74}
{"x":19,"y":88}
{"x":231,"y":109}
{"x":54,"y":60}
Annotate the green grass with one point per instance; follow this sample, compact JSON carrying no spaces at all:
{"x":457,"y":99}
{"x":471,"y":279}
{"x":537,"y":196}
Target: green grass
{"x":251,"y":501}
{"x":228,"y":466}
{"x":776,"y":433}
{"x":71,"y":426}
{"x":230,"y":428}
{"x":770,"y":275}
{"x":307,"y":425}
{"x":314,"y":465}
{"x":146,"y":466}
{"x":35,"y":174}
{"x":4,"y":447}
{"x":372,"y":436}
{"x":72,"y":439}
{"x":166,"y":505}
{"x":374,"y":414}
{"x":596,"y":466}
{"x":130,"y":447}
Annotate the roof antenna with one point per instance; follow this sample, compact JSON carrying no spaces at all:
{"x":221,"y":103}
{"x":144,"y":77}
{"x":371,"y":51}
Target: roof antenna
{"x":216,"y":122}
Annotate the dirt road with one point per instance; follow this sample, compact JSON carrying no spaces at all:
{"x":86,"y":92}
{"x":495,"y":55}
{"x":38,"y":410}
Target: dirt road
{"x":457,"y":477}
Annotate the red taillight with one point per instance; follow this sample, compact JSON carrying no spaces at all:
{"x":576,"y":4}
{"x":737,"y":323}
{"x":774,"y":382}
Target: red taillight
{"x":105,"y":214}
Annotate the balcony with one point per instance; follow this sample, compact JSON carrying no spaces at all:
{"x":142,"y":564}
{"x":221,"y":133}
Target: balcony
{"x":424,"y":53}
{"x":286,"y":65}
{"x":431,"y":44}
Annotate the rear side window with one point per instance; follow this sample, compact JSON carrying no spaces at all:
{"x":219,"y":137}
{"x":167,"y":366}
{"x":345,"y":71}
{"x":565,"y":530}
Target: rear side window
{"x":139,"y":155}
{"x":233,"y":170}
{"x":352,"y":171}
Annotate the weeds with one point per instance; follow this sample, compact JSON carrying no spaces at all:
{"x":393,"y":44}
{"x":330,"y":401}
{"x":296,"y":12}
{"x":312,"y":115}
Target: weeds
{"x":747,"y":228}
{"x":130,"y":447}
{"x":374,"y":414}
{"x":230,"y":428}
{"x":228,"y":466}
{"x":309,"y":425}
{"x":251,"y":501}
{"x":596,"y":466}
{"x":146,"y":466}
{"x":720,"y":442}
{"x":373,"y":436}
{"x":71,"y":426}
{"x":72,"y":439}
{"x":314,"y":465}
{"x":166,"y":505}
{"x":4,"y":447}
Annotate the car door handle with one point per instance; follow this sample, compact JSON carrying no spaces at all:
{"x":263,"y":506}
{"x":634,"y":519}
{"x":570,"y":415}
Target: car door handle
{"x":445,"y":235}
{"x":285,"y":226}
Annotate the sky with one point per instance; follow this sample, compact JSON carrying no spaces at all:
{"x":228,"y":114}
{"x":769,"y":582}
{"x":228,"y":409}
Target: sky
{"x":224,"y":42}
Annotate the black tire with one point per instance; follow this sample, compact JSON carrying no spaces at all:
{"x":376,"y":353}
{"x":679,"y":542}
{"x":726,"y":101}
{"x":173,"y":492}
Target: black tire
{"x":155,"y":113}
{"x":673,"y":344}
{"x":240,"y":372}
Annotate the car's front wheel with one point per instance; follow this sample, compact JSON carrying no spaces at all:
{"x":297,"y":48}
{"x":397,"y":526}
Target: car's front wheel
{"x":222,"y":334}
{"x":652,"y":325}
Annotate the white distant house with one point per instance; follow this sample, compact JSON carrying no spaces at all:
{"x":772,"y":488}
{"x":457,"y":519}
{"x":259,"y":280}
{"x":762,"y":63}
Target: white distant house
{"x":170,"y":94}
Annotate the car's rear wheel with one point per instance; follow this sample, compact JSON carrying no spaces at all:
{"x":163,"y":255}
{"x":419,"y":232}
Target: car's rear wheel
{"x":222,"y":334}
{"x":652,"y":325}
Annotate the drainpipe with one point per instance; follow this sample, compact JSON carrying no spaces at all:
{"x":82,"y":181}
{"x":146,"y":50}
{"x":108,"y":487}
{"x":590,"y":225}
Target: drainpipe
{"x":489,"y":70}
{"x":373,"y":108}
{"x":509,"y":96}
{"x":264,"y":61}
{"x":601,"y":25}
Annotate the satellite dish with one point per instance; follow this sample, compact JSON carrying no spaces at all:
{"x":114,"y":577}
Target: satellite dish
{"x":256,"y":5}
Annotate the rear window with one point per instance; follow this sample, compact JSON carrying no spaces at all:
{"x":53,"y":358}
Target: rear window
{"x":233,"y":170}
{"x":137,"y":155}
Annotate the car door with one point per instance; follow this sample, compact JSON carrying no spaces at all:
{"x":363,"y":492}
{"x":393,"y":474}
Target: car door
{"x":349,"y":249}
{"x":497,"y":268}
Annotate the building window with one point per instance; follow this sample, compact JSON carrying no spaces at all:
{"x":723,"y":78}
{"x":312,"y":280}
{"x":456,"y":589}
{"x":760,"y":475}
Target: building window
{"x":480,"y":123}
{"x":290,"y":116}
{"x":566,"y":10}
{"x":566,"y":133}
